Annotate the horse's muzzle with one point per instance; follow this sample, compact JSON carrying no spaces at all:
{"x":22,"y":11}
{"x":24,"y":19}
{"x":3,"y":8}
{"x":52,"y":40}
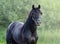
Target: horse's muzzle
{"x":33,"y":39}
{"x":38,"y":22}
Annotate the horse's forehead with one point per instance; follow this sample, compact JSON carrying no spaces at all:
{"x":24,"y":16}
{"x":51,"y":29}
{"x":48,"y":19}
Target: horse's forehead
{"x":35,"y":10}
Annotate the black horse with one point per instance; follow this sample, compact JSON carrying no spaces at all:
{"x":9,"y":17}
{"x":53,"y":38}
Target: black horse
{"x":25,"y":33}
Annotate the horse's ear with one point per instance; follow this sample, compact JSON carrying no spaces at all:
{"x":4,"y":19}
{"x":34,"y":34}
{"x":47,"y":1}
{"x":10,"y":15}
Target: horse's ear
{"x":33,"y":7}
{"x":39,"y":7}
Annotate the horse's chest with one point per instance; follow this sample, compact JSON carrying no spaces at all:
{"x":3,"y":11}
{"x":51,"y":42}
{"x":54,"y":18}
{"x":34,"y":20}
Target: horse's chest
{"x":29,"y":37}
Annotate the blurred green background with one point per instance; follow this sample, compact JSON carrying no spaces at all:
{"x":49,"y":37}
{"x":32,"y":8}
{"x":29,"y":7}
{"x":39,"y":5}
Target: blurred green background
{"x":18,"y":10}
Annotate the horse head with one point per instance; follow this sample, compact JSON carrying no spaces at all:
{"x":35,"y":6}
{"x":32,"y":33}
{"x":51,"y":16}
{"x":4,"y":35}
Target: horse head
{"x":35,"y":14}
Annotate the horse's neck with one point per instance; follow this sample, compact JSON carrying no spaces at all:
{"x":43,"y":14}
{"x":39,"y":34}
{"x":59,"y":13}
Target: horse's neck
{"x":30,"y":25}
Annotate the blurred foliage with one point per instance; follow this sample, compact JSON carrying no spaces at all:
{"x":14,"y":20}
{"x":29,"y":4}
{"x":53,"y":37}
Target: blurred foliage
{"x":18,"y":10}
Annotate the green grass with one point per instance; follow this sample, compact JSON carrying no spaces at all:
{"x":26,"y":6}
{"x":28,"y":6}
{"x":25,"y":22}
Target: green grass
{"x":2,"y":35}
{"x":49,"y":37}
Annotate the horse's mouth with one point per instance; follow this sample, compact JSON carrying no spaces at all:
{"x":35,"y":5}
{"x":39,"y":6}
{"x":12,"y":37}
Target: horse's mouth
{"x":37,"y":23}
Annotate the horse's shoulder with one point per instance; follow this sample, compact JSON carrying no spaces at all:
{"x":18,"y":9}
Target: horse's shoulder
{"x":16,"y":30}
